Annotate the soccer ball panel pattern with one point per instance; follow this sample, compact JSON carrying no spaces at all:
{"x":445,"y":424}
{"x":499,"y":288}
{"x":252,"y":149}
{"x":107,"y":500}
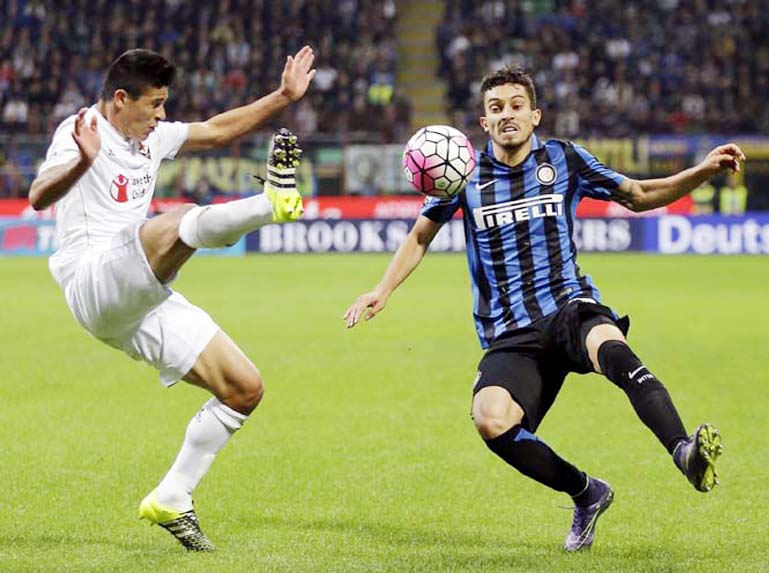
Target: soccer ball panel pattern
{"x":438,"y":160}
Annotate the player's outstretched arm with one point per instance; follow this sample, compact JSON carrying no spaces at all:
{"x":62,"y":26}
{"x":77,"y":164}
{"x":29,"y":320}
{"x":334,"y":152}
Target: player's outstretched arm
{"x":645,"y":194}
{"x":52,"y":184}
{"x":230,"y":125}
{"x":404,"y":261}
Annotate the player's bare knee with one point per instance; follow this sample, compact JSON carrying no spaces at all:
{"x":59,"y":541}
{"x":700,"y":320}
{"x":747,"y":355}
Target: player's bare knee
{"x":254,"y":391}
{"x":163,"y":231}
{"x":159,"y":237}
{"x":491,"y":426}
{"x":596,"y":337}
{"x":171,"y":231}
{"x":495,"y":412}
{"x":181,"y":210}
{"x":246,"y":393}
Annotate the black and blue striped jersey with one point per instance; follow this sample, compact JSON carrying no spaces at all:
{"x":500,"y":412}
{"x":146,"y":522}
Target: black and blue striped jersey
{"x":518,"y":225}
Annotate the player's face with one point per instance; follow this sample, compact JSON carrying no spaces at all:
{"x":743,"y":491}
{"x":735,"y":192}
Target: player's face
{"x":141,"y":116}
{"x":509,"y":117}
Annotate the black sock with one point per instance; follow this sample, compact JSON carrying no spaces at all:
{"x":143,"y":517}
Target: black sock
{"x":591,"y":494}
{"x":534,"y":458}
{"x":648,"y":396}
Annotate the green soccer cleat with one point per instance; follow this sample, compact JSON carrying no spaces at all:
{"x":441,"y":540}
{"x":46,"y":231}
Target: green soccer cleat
{"x":280,"y":187}
{"x":696,"y":457}
{"x":183,"y":525}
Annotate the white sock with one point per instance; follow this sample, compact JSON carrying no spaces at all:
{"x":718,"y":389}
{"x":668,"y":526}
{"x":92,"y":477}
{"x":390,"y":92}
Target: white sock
{"x":223,"y":224}
{"x":207,"y":433}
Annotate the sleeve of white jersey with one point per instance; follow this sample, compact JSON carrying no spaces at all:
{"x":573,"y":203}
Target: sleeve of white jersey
{"x":63,"y":148}
{"x":171,"y":136}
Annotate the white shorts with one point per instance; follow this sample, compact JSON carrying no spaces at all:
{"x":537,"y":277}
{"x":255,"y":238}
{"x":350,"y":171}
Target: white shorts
{"x":115,"y":295}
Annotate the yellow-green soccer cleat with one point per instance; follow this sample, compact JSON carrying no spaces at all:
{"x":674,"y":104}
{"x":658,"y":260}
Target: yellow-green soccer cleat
{"x":280,"y":187}
{"x":183,"y":525}
{"x":696,"y":457}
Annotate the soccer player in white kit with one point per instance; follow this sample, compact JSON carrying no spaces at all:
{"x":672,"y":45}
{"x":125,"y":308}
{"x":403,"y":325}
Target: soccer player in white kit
{"x":115,"y":266}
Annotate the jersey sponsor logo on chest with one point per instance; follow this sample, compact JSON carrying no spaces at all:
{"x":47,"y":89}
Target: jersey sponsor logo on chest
{"x":519,"y":210}
{"x":124,"y":189}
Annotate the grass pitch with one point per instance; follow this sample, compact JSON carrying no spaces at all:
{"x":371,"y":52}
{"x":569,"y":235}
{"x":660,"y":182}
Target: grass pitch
{"x":363,"y":456}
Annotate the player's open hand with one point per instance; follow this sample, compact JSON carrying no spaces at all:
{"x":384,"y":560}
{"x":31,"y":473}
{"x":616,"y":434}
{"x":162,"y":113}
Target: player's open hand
{"x":723,"y":157}
{"x":87,"y":136}
{"x":297,"y":74}
{"x":367,"y":305}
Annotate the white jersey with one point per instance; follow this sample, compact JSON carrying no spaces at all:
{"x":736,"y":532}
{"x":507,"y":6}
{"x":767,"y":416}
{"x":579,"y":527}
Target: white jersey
{"x":115,"y":192}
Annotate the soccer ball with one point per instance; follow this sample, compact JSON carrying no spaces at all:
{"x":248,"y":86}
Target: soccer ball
{"x":438,"y":160}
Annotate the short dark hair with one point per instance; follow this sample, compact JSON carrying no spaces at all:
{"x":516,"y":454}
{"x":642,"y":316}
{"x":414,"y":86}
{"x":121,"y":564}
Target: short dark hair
{"x":136,"y":70}
{"x":510,"y":75}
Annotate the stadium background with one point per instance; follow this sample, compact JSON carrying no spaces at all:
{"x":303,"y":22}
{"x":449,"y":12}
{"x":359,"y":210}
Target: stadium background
{"x":362,"y":457}
{"x":649,"y":91}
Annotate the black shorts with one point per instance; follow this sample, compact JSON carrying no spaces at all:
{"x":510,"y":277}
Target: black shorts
{"x":532,"y":362}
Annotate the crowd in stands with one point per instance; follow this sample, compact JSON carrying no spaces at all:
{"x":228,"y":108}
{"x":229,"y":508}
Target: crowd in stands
{"x":607,"y":68}
{"x":616,"y":68}
{"x":603,"y":67}
{"x":53,"y":55}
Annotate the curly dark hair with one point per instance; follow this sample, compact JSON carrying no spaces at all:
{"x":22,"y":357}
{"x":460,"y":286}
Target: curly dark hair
{"x":510,"y":75}
{"x":135,"y":71}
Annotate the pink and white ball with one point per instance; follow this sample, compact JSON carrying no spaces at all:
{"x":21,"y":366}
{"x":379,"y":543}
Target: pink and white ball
{"x":438,"y":160}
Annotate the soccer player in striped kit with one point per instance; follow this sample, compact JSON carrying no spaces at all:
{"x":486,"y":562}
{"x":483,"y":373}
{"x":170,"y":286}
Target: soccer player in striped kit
{"x":538,"y":317}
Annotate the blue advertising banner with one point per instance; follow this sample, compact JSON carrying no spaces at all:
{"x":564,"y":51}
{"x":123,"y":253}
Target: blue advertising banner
{"x":38,"y":237}
{"x":600,"y":235}
{"x":347,"y":235}
{"x":708,"y":235}
{"x":385,"y":235}
{"x":666,"y":234}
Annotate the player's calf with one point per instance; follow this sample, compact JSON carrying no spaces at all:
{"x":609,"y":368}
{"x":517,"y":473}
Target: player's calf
{"x":696,"y":455}
{"x":222,"y":225}
{"x":649,"y":398}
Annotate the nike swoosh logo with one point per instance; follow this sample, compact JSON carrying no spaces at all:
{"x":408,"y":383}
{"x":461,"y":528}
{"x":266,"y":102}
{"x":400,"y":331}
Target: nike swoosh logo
{"x":482,"y":187}
{"x":636,"y":371}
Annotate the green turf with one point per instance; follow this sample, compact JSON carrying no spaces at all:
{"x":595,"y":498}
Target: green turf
{"x":362,"y":456}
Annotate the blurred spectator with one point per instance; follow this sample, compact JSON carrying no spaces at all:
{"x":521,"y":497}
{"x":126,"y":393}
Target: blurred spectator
{"x":360,"y":117}
{"x":703,"y":199}
{"x":305,"y":118}
{"x":203,"y":193}
{"x":15,"y":111}
{"x":733,"y":196}
{"x":52,"y":55}
{"x":10,"y":177}
{"x":614,"y":68}
{"x":68,"y":103}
